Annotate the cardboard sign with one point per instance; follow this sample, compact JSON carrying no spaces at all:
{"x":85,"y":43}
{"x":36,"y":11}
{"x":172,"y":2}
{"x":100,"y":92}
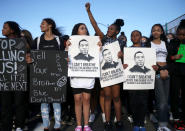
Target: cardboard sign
{"x":84,"y":56}
{"x":139,"y":73}
{"x":48,"y":76}
{"x":13,"y":67}
{"x":112,"y":71}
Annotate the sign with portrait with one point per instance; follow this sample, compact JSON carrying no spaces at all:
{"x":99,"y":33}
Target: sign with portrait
{"x":48,"y":74}
{"x":112,"y":71}
{"x":84,"y":56}
{"x":13,"y":66}
{"x":139,"y":73}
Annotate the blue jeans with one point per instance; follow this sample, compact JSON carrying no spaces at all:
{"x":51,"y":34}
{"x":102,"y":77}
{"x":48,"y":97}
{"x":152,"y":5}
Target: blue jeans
{"x":161,"y":95}
{"x":45,"y":109}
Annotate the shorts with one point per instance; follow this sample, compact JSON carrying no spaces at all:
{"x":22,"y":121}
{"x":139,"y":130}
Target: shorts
{"x":81,"y":90}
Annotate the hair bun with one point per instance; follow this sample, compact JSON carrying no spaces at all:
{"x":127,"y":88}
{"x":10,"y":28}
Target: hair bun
{"x":123,"y":33}
{"x":119,"y":22}
{"x":182,"y":23}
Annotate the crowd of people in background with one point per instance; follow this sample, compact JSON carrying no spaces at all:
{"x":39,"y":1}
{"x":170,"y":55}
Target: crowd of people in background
{"x":85,"y":96}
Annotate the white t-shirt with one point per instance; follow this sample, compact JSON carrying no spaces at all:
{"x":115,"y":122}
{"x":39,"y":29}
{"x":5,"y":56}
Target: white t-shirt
{"x":87,"y":83}
{"x":161,"y":51}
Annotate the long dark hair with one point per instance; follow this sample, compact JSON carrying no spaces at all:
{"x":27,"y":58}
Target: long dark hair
{"x":162,"y":37}
{"x":28,"y":37}
{"x":76,"y":27}
{"x":118,"y":23}
{"x":15,"y":27}
{"x":55,"y":30}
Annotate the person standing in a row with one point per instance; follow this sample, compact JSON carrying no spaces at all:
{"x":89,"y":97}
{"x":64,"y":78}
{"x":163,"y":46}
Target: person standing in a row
{"x":10,"y":30}
{"x":138,"y":99}
{"x":50,"y":40}
{"x":178,"y":77}
{"x":111,"y":92}
{"x":81,"y":87}
{"x":162,"y":81}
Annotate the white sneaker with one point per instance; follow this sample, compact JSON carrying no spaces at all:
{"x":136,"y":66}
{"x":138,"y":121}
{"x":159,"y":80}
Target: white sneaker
{"x":92,"y":117}
{"x":19,"y":129}
{"x":145,"y":121}
{"x":171,"y":116}
{"x":115,"y":120}
{"x":163,"y":129}
{"x":103,"y":117}
{"x":130,"y":119}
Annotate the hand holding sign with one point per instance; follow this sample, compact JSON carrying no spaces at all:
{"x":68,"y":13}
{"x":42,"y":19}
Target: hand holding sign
{"x":178,"y":56}
{"x":125,"y":66}
{"x":28,"y":58}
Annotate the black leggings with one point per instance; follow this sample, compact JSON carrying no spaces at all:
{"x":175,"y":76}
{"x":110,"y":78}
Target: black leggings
{"x":138,"y":106}
{"x":8,"y":99}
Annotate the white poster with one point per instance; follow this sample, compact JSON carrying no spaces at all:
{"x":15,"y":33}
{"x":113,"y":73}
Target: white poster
{"x":111,"y":67}
{"x":84,"y":54}
{"x":139,"y":73}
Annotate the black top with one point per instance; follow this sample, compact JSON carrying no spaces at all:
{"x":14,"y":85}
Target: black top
{"x":48,"y":44}
{"x":107,"y":40}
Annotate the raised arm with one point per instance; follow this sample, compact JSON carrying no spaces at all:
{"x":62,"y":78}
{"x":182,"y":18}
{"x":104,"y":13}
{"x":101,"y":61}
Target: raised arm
{"x":93,"y":21}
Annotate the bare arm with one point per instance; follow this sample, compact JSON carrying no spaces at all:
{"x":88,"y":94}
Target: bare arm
{"x":93,"y":21}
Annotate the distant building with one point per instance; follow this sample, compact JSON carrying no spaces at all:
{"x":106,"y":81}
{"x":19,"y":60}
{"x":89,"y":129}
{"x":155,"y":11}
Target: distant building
{"x":171,"y":26}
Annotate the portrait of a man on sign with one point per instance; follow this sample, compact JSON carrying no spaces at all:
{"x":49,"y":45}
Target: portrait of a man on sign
{"x":109,"y":63}
{"x":139,"y":66}
{"x":84,"y":51}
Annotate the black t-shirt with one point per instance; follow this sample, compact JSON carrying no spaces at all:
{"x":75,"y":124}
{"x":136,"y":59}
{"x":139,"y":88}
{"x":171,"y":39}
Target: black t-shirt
{"x":49,"y":44}
{"x":107,"y":40}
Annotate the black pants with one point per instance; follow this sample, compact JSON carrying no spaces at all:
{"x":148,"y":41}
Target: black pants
{"x":177,"y":85}
{"x":138,"y":106}
{"x":12,"y":102}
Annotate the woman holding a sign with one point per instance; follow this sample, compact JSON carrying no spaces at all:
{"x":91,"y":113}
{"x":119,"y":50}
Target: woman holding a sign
{"x":81,"y":94}
{"x":49,"y":40}
{"x":82,"y":86}
{"x":12,"y":97}
{"x":159,"y":43}
{"x":177,"y":57}
{"x":114,"y":90}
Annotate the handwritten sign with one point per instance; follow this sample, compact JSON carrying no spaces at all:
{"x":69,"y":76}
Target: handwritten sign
{"x":13,"y":67}
{"x":48,"y":76}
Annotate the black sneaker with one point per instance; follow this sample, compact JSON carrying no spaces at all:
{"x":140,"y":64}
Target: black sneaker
{"x":108,"y":126}
{"x":119,"y":125}
{"x":46,"y":129}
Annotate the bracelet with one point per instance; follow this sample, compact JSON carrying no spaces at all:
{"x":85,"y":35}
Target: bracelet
{"x":162,"y":67}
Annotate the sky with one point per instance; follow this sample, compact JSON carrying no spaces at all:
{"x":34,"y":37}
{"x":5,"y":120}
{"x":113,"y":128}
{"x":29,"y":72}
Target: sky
{"x":137,"y":14}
